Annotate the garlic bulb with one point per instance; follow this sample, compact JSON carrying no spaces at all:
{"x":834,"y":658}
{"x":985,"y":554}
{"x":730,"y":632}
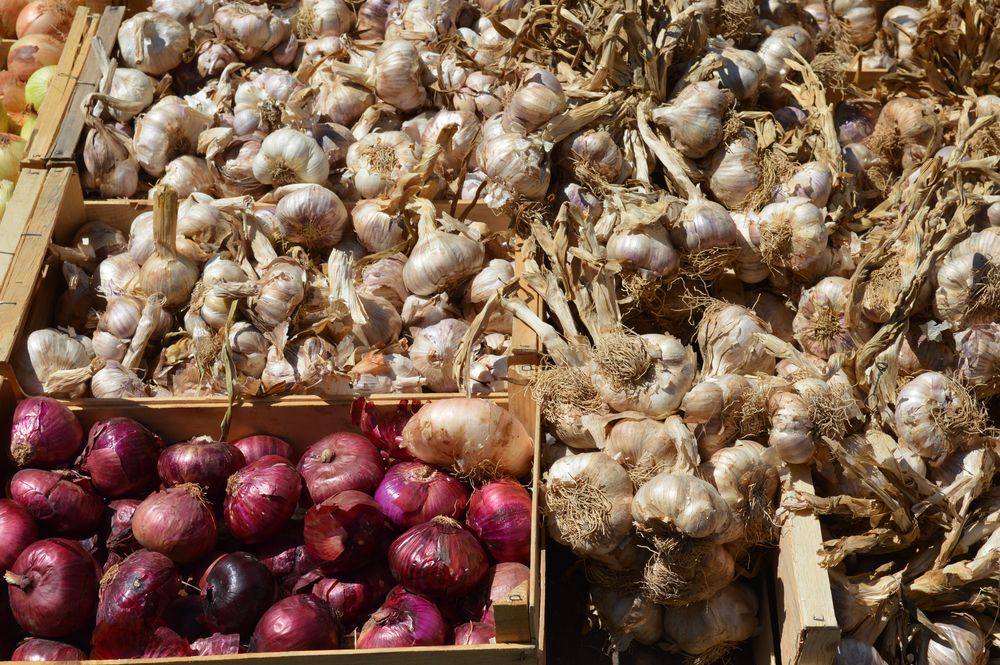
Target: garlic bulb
{"x":110,"y":166}
{"x":249,"y":348}
{"x":457,"y":149}
{"x":378,"y":226}
{"x":279,"y":371}
{"x":187,"y":175}
{"x":425,"y":20}
{"x":792,"y":427}
{"x":978,"y":349}
{"x":56,"y":364}
{"x":904,"y":130}
{"x":420,"y":312}
{"x":288,"y":156}
{"x":748,"y":485}
{"x":675,"y":504}
{"x":968,"y":281}
{"x":628,"y":615}
{"x":712,"y":409}
{"x":386,"y":373}
{"x":534,"y":103}
{"x":728,"y":337}
{"x":644,"y":373}
{"x":169,"y":129}
{"x":964,"y":642}
{"x":394,"y":74}
{"x":166,"y":271}
{"x":595,"y":152}
{"x":516,"y":166}
{"x":694,"y":118}
{"x":115,"y":381}
{"x":439,"y":261}
{"x":734,"y":172}
{"x":133,"y":87}
{"x":569,"y":402}
{"x":776,"y":311}
{"x":813,"y":180}
{"x":384,"y":278}
{"x":485,"y":92}
{"x":820,"y":325}
{"x":316,"y":370}
{"x":495,"y":275}
{"x":935,"y":415}
{"x":853,"y":652}
{"x":742,"y":72}
{"x":858,"y":18}
{"x":152,"y":42}
{"x":645,"y":448}
{"x":791,"y":234}
{"x":230,"y":159}
{"x":434,"y":350}
{"x":338,"y":99}
{"x":708,"y":626}
{"x":322,"y":18}
{"x":644,"y":248}
{"x":709,"y":237}
{"x":587,"y":499}
{"x":281,"y":289}
{"x":198,"y":12}
{"x":260,"y":102}
{"x":377,"y":161}
{"x":252,"y":30}
{"x":780,"y":45}
{"x":115,"y":273}
{"x":372,"y":18}
{"x":311,"y":216}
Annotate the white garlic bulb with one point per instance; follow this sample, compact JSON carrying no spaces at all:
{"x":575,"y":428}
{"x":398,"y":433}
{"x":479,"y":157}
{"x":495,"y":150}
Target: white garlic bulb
{"x":378,"y":160}
{"x":968,"y":281}
{"x":115,"y":381}
{"x":56,"y":364}
{"x":645,"y":248}
{"x":813,"y":180}
{"x":792,"y":234}
{"x":394,"y":73}
{"x":133,"y":87}
{"x":516,"y":166}
{"x":420,"y":312}
{"x":311,"y":216}
{"x":249,"y":348}
{"x":187,"y":175}
{"x":169,"y":129}
{"x":534,"y":103}
{"x":783,"y":43}
{"x":742,"y":72}
{"x":110,"y":166}
{"x":734,"y":172}
{"x":166,"y":271}
{"x":748,"y":485}
{"x":260,"y":102}
{"x":322,"y":18}
{"x":978,"y":349}
{"x":281,"y":289}
{"x":253,"y":30}
{"x":728,"y":337}
{"x":596,"y":151}
{"x":152,"y":42}
{"x":681,"y":504}
{"x":288,"y":156}
{"x":115,"y":273}
{"x":712,"y":409}
{"x":434,"y":350}
{"x":495,"y":275}
{"x":645,"y":448}
{"x":935,"y":415}
{"x":694,"y":118}
{"x":384,"y":278}
{"x":316,"y":370}
{"x":386,"y":373}
{"x":338,"y":99}
{"x":440,"y":260}
{"x":457,"y":149}
{"x":378,"y":224}
{"x":820,"y":326}
{"x":965,"y":642}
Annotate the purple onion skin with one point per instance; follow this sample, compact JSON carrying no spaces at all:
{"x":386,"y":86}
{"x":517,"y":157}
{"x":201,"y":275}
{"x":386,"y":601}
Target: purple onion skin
{"x":217,"y":645}
{"x":135,"y":598}
{"x":119,"y":539}
{"x":340,"y":462}
{"x":500,"y":516}
{"x":387,"y":435}
{"x":39,"y":650}
{"x":120,"y":457}
{"x":260,"y":445}
{"x":45,"y":433}
{"x":201,"y":461}
{"x":404,"y":620}
{"x":261,"y":498}
{"x":61,"y":505}
{"x":165,"y":643}
{"x":346,"y":531}
{"x":235,"y":591}
{"x":475,"y":633}
{"x":351,"y":597}
{"x":296,"y":623}
{"x":412,"y":493}
{"x":177,"y":522}
{"x":17,"y":531}
{"x":53,"y":588}
{"x":439,"y":558}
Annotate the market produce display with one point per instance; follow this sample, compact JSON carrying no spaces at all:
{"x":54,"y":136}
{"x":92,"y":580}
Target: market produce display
{"x":121,"y":545}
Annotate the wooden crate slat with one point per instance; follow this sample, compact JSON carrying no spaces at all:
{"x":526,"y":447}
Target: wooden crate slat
{"x":64,"y":149}
{"x":809,"y":630}
{"x":15,"y":219}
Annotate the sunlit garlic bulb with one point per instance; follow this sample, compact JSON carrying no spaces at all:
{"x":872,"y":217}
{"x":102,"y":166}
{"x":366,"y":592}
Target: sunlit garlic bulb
{"x":813,"y":180}
{"x":378,"y":160}
{"x":260,"y":101}
{"x":859,"y":18}
{"x":695,"y":117}
{"x":935,"y":415}
{"x":515,"y":166}
{"x":420,"y":312}
{"x":901,"y":23}
{"x":386,"y":373}
{"x":253,"y":30}
{"x":968,"y":281}
{"x":791,"y":432}
{"x":734,"y":172}
{"x":539,"y":99}
{"x":627,"y":615}
{"x":440,"y":260}
{"x":115,"y":273}
{"x":466,"y":128}
{"x":166,"y":271}
{"x":595,"y":151}
{"x":322,"y":18}
{"x":288,"y":156}
{"x":338,"y":99}
{"x":716,"y":623}
{"x":645,"y":249}
{"x":820,"y":326}
{"x":110,"y":166}
{"x":708,"y":236}
{"x":587,"y":501}
{"x":169,"y":129}
{"x":282,"y":288}
{"x":748,"y":485}
{"x":978,"y":349}
{"x":783,"y":43}
{"x":378,"y":225}
{"x":311,"y":216}
{"x":188,"y":175}
{"x":904,"y":130}
{"x":742,"y":72}
{"x":484,"y":90}
{"x":58,"y":365}
{"x":965,"y":642}
{"x":153,"y":43}
{"x":115,"y":381}
{"x":647,"y":447}
{"x":394,"y":74}
{"x":644,"y":373}
{"x":131,"y":86}
{"x":434,"y":350}
{"x":384,"y":278}
{"x":728,"y":336}
{"x":792,"y":234}
{"x":426,"y":20}
{"x":712,"y":410}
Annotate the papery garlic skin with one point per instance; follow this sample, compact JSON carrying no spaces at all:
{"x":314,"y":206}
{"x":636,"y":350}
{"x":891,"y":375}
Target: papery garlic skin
{"x":978,"y":348}
{"x":734,"y":172}
{"x":728,"y":618}
{"x":596,"y":151}
{"x":288,"y":156}
{"x":133,"y":86}
{"x":56,"y":364}
{"x":646,"y":249}
{"x":783,"y":43}
{"x":742,"y":72}
{"x":153,"y":43}
{"x":311,"y":216}
{"x":728,"y":336}
{"x":965,"y":642}
{"x":820,"y":325}
{"x":282,"y":288}
{"x":791,"y":432}
{"x":748,"y":485}
{"x":109,"y":162}
{"x":647,"y":447}
{"x":441,"y":260}
{"x":197,"y":12}
{"x":187,"y":175}
{"x":384,"y":278}
{"x":115,"y":381}
{"x":434,"y":350}
{"x":647,"y":373}
{"x":694,"y":118}
{"x":813,"y":180}
{"x":395,"y":374}
{"x":378,"y":160}
{"x":792,"y":234}
{"x":681,"y":504}
{"x":322,"y":18}
{"x":573,"y":482}
{"x":516,"y":166}
{"x":968,"y":281}
{"x":628,"y":615}
{"x":251,"y":29}
{"x":169,"y":129}
{"x":711,"y":410}
{"x":933,"y":416}
{"x":859,"y":18}
{"x":533,"y":104}
{"x":260,"y":102}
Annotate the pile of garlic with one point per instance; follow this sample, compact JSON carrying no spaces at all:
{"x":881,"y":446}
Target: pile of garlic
{"x":219,"y":299}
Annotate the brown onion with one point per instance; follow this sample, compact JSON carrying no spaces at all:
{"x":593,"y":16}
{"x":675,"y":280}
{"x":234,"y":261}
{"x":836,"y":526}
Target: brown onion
{"x":296,"y":623}
{"x":62,"y":503}
{"x":46,"y":17}
{"x":201,"y":461}
{"x":339,"y":462}
{"x":260,"y":499}
{"x":9,"y":10}
{"x":346,"y":531}
{"x":439,"y":558}
{"x":177,"y":522}
{"x":31,"y":53}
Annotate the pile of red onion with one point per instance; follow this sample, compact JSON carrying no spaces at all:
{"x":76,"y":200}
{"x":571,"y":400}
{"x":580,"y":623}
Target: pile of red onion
{"x":115,"y":544}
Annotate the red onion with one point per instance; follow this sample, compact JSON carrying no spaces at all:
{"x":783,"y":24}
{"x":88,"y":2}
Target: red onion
{"x":413,"y":492}
{"x":235,"y":591}
{"x":386,"y":436}
{"x":404,"y":620}
{"x":17,"y":531}
{"x":296,"y":623}
{"x":120,"y":539}
{"x":439,"y":558}
{"x":165,"y":643}
{"x":177,"y":522}
{"x":286,"y":558}
{"x":135,"y":597}
{"x":500,"y":580}
{"x":257,"y":446}
{"x":345,"y":531}
{"x":186,"y":618}
{"x":217,"y":645}
{"x":61,"y":503}
{"x":53,"y":588}
{"x":38,"y":650}
{"x":354,"y":595}
{"x":500,"y":516}
{"x":475,"y":633}
{"x":261,"y":498}
{"x":44,"y":433}
{"x":201,"y":461}
{"x":339,"y":462}
{"x":120,"y":456}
